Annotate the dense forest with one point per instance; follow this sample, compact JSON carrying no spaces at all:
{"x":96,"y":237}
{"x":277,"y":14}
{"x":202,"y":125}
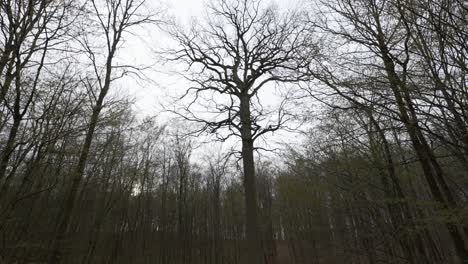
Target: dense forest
{"x":373,"y":107}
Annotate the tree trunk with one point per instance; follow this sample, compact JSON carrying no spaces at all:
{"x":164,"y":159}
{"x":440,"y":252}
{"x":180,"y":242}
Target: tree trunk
{"x":253,"y":242}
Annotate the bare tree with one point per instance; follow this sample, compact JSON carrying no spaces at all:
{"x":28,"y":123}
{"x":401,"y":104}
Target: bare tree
{"x":240,"y":49}
{"x":29,"y":31}
{"x":407,"y":90}
{"x":114,"y":19}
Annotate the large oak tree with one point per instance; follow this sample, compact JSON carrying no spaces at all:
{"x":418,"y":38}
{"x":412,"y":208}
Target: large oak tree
{"x":241,"y":48}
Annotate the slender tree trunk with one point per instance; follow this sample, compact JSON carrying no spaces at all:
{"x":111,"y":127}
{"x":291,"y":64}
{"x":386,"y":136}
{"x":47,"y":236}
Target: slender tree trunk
{"x":217,"y":221}
{"x":77,"y":177}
